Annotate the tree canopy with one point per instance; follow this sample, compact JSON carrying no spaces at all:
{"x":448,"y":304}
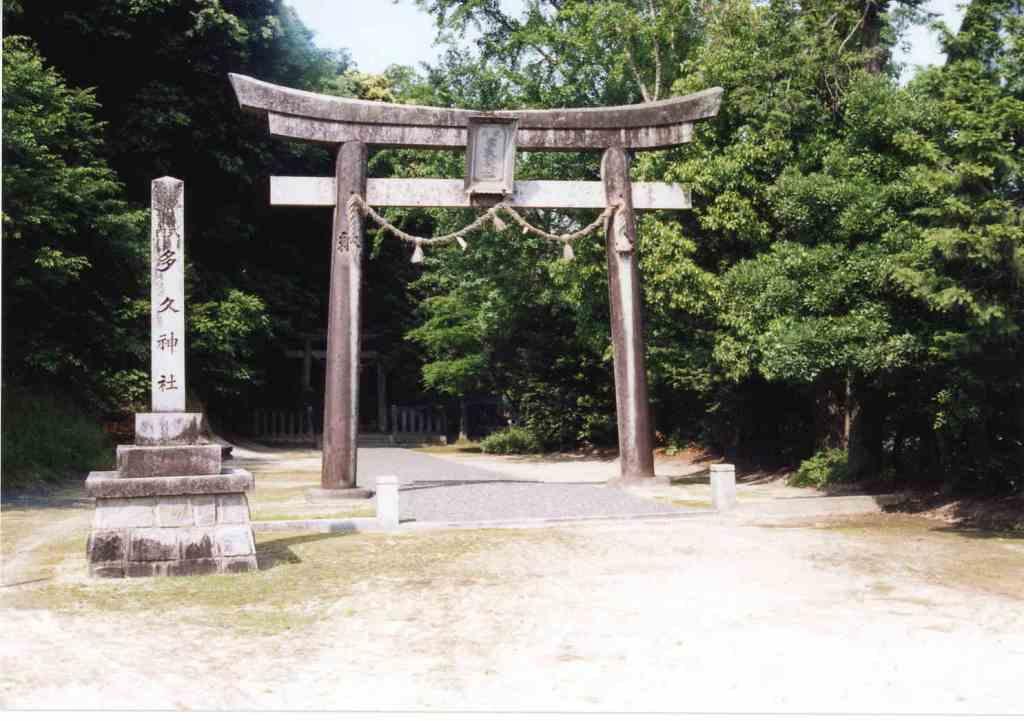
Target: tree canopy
{"x":849,"y":276}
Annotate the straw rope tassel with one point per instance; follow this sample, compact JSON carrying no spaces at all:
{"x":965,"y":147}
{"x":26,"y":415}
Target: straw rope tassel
{"x":622,"y":241}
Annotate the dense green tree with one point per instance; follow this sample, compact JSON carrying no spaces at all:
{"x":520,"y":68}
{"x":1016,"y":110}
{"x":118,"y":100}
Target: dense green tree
{"x":67,"y":320}
{"x":861,"y":255}
{"x":494,"y":320}
{"x":964,"y":272}
{"x":578,"y":52}
{"x":850,"y":275}
{"x":166,"y":108}
{"x":539,"y":326}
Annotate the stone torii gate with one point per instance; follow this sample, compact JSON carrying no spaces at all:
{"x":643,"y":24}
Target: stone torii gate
{"x":492,"y":138}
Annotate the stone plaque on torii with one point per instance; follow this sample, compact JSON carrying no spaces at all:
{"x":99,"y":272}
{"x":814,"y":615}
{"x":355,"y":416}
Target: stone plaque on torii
{"x":492,"y":139}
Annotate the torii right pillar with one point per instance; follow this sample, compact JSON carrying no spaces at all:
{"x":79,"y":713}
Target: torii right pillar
{"x":633,"y":410}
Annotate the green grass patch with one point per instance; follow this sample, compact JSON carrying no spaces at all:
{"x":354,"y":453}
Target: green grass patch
{"x":689,"y":502}
{"x":514,"y":440}
{"x":270,"y":515}
{"x":302,"y":578}
{"x":822,"y":469}
{"x":17,"y":523}
{"x":46,"y":439}
{"x":696,"y":479}
{"x":277,"y":494}
{"x":40,"y":561}
{"x":451,"y":449}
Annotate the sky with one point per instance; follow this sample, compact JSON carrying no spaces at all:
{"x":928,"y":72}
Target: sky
{"x":382,"y":32}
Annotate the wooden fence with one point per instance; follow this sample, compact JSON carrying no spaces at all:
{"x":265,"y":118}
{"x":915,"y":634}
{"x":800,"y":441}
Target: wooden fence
{"x":293,"y":426}
{"x":282,"y":426}
{"x":419,"y":420}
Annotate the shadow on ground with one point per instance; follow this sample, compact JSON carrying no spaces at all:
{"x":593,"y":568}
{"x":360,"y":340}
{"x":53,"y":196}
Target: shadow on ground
{"x":974,"y":517}
{"x":422,"y":485}
{"x":14,"y":503}
{"x":1012,"y":534}
{"x":278,"y":552}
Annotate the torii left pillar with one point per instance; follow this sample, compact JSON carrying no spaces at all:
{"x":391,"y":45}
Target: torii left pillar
{"x":341,"y":394}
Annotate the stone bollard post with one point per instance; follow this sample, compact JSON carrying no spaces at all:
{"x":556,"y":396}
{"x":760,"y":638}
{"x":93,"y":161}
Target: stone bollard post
{"x":387,"y":502}
{"x":723,"y":486}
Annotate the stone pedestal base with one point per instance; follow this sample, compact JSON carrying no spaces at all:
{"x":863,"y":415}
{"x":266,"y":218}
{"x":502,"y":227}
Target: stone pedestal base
{"x":170,"y":510}
{"x":639,"y":481}
{"x":320,"y":495}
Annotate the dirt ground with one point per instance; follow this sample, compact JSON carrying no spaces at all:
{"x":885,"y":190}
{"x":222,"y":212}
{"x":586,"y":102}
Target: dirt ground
{"x":870,"y":613}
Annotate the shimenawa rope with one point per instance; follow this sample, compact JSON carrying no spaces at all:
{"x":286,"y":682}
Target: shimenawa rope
{"x":357,"y":205}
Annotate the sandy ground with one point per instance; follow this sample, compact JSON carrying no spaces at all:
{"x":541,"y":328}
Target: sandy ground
{"x":873,"y":613}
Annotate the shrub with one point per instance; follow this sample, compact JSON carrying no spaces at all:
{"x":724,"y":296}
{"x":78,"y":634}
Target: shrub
{"x":511,"y":440}
{"x":822,"y":469}
{"x":46,"y":439}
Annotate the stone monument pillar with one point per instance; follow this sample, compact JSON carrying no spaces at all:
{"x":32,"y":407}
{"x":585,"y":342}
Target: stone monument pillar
{"x":169,"y":509}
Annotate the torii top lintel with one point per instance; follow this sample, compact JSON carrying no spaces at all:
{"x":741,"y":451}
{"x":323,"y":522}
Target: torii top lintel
{"x":327,"y":119}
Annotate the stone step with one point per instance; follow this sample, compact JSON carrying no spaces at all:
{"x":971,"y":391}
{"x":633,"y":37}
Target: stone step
{"x":375,"y":440}
{"x":401,"y":440}
{"x":366,"y":440}
{"x":110,"y":484}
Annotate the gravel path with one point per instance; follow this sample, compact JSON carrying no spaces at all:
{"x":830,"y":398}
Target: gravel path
{"x":438,"y":490}
{"x":413,"y":467}
{"x":498,"y":501}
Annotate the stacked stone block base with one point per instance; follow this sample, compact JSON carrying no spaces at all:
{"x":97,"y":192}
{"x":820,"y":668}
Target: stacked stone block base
{"x":171,"y":536}
{"x":170,"y":509}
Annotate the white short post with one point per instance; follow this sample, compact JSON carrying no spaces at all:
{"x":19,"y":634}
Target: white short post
{"x":387,"y":502}
{"x":723,"y":486}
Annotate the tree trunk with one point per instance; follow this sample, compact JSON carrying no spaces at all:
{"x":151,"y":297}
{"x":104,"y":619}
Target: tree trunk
{"x":1020,"y":427}
{"x":897,"y":450}
{"x":831,"y":429}
{"x":463,"y":420}
{"x":871,"y":39}
{"x":866,"y":408}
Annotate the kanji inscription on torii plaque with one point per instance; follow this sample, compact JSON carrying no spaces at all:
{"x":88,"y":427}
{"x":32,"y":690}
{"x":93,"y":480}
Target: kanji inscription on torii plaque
{"x":167,"y":299}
